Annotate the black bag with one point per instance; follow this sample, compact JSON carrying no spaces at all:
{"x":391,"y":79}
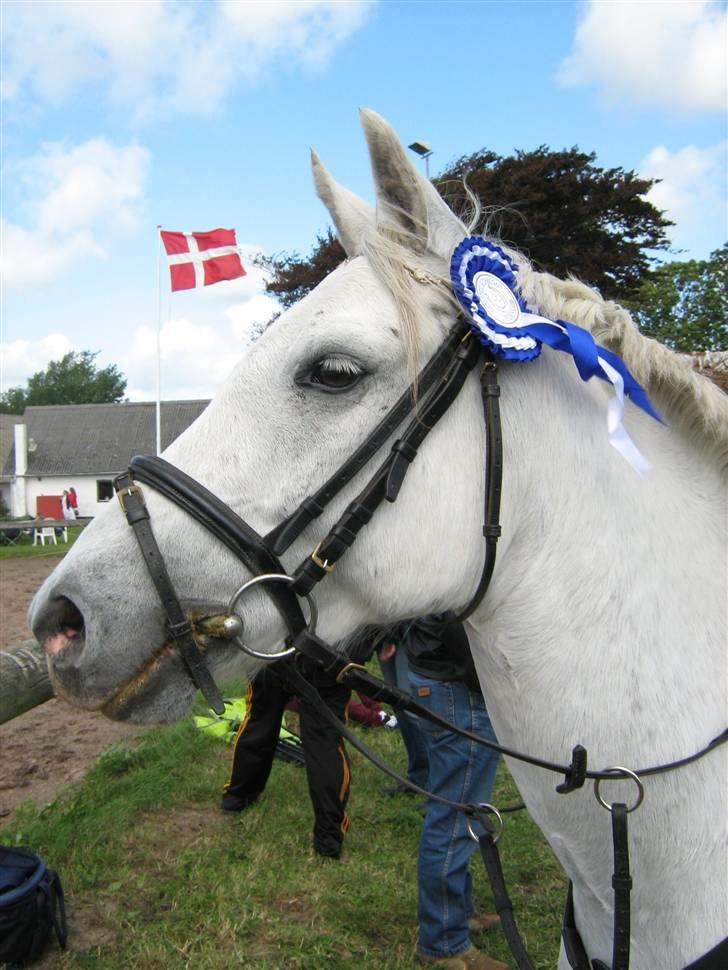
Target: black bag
{"x":31,"y":906}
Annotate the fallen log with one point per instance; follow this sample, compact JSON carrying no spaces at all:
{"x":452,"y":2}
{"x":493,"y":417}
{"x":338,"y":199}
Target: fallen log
{"x":24,"y":681}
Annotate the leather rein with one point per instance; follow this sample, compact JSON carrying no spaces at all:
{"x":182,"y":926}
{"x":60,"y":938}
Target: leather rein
{"x":426,"y":400}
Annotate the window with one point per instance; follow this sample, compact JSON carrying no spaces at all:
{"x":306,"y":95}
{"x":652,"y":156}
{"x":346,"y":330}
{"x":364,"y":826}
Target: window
{"x":104,"y":490}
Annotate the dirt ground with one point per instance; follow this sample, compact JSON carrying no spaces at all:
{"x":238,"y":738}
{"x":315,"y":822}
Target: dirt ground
{"x":53,"y":744}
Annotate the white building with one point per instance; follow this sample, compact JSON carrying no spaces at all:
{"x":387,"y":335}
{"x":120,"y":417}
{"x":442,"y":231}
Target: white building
{"x":49,"y":449}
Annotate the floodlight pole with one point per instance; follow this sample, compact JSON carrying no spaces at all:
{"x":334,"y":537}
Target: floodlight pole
{"x":422,"y":149}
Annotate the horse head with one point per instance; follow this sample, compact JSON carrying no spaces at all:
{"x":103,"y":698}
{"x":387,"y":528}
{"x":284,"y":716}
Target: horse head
{"x":292,"y":410}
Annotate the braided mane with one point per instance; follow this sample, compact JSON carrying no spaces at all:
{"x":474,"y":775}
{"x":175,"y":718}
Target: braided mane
{"x":686,"y":398}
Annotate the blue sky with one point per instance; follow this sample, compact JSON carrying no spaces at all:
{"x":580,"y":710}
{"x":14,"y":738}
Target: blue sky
{"x":117,"y":117}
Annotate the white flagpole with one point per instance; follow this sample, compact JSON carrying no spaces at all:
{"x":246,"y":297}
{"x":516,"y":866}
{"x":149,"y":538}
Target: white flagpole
{"x":159,"y":342}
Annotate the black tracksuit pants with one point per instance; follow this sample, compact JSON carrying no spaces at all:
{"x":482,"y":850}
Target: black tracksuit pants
{"x":327,"y":764}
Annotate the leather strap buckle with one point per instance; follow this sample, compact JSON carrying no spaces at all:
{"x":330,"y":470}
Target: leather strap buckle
{"x":322,"y":563}
{"x":345,"y":670}
{"x":127,"y":490}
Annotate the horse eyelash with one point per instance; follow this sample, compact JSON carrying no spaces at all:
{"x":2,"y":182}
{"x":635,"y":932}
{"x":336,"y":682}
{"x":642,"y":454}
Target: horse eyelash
{"x":334,"y":364}
{"x":344,"y":365}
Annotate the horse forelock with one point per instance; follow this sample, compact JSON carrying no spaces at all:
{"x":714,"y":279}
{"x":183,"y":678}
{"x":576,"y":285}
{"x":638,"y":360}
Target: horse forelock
{"x":410,"y":272}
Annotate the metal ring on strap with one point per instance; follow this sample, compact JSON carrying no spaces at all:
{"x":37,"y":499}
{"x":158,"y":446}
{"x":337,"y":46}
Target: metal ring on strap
{"x":270,"y":578}
{"x":626,"y":774}
{"x":489,"y":810}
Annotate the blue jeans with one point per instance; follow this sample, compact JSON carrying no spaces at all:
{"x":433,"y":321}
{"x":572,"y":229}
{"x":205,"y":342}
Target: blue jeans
{"x":395,"y":673}
{"x":462,"y":771}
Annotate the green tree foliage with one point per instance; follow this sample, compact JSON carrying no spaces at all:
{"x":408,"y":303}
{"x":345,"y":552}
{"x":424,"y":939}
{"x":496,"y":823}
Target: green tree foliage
{"x":293,"y":276}
{"x":685,"y":304}
{"x":559,"y":208}
{"x":564,"y":212}
{"x":74,"y":379}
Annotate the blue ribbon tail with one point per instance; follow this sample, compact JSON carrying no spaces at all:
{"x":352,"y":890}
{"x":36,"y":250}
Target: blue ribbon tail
{"x":632,"y":388}
{"x":578,"y":342}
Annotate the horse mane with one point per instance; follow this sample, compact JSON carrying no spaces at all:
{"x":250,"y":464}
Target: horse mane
{"x":685,"y":398}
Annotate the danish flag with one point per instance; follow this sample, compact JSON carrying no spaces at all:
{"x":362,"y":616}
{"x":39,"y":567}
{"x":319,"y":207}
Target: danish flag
{"x":202,"y":258}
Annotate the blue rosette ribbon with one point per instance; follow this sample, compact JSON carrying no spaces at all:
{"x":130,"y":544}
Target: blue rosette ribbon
{"x":484,"y":281}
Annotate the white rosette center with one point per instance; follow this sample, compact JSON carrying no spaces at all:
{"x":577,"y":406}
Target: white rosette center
{"x":497,"y":299}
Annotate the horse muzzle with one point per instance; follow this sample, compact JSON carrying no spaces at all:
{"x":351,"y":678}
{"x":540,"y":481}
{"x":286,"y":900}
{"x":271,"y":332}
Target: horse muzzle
{"x":150,"y":689}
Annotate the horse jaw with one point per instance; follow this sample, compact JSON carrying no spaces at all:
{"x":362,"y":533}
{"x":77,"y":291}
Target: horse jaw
{"x":262,"y":426}
{"x":113,"y":653}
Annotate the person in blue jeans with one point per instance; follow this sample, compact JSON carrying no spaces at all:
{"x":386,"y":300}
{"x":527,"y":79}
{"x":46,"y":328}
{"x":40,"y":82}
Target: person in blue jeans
{"x":395,"y":673}
{"x":442,"y":678}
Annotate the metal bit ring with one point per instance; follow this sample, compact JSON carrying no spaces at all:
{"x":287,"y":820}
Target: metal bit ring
{"x":269,"y":578}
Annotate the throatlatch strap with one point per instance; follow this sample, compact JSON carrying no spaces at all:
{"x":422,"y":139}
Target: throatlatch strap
{"x":179,"y":626}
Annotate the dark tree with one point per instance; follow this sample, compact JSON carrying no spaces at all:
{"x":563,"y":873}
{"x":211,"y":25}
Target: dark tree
{"x":685,"y":304}
{"x":564,"y":212}
{"x":559,"y":208}
{"x":293,"y":276}
{"x":74,"y":379}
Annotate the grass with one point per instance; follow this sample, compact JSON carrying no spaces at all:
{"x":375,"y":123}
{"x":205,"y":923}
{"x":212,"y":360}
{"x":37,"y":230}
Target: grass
{"x":24,"y":547}
{"x":158,"y":878}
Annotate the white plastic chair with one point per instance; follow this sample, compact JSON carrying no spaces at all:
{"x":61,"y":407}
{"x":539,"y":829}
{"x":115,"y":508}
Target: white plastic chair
{"x":46,"y":532}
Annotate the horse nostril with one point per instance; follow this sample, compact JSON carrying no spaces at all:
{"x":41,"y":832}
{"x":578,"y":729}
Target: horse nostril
{"x":66,"y":626}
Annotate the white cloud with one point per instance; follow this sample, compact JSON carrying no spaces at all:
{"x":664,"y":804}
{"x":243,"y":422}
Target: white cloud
{"x":248,"y":318}
{"x":21,"y":359}
{"x":165,"y":56}
{"x":667,"y":53}
{"x":90,"y":184}
{"x":692,"y":190}
{"x":73,"y":198}
{"x":196,"y":359}
{"x":32,"y":257}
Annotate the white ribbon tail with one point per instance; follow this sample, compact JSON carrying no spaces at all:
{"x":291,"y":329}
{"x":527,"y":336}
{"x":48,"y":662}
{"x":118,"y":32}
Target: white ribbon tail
{"x":618,"y":436}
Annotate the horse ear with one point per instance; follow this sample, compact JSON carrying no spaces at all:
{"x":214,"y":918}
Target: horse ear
{"x":350,"y":214}
{"x":407,"y":203}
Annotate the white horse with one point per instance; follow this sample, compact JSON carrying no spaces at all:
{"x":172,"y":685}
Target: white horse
{"x":605,"y":621}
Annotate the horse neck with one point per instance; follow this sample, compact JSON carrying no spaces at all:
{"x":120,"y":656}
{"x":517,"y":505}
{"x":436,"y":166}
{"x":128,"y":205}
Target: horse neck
{"x":589,"y":550}
{"x":604,"y":584}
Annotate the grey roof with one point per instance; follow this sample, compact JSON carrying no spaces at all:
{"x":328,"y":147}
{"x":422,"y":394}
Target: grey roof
{"x":7,"y":421}
{"x":97,"y":439}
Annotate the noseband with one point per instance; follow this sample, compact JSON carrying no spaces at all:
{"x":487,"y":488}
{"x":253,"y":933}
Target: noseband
{"x":426,"y":400}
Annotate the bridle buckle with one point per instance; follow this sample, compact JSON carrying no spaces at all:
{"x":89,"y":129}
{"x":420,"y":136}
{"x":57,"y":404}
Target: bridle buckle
{"x":127,"y":490}
{"x":322,"y":563}
{"x":345,"y":670}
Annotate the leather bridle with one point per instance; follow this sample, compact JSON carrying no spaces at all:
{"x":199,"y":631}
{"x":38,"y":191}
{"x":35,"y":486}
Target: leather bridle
{"x":426,"y":400}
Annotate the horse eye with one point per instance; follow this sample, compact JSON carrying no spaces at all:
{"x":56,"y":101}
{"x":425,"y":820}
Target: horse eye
{"x":333,"y":374}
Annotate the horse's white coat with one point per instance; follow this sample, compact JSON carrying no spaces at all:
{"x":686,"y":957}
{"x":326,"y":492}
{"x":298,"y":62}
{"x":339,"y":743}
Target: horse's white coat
{"x":605,"y":623}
